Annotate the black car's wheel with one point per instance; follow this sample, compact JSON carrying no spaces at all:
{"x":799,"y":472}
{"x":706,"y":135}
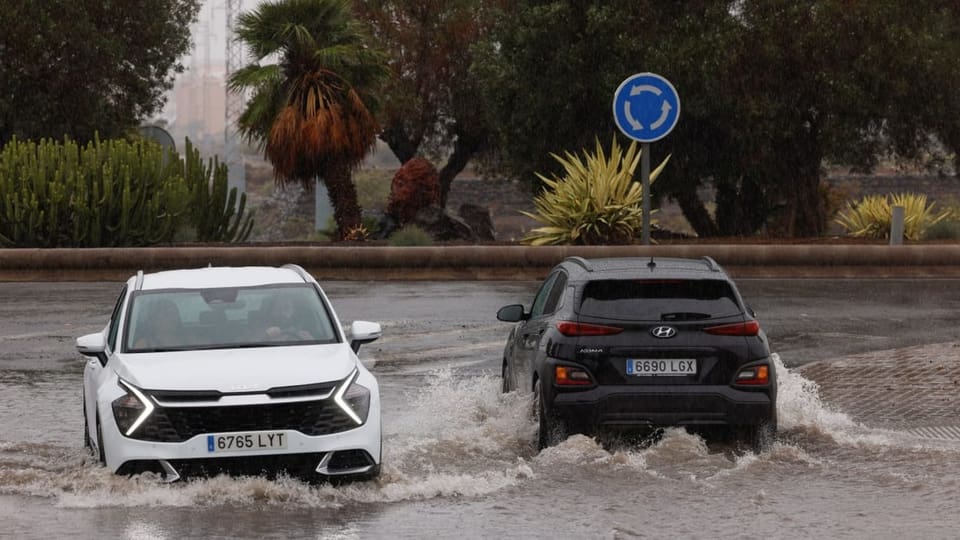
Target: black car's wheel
{"x":550,"y":430}
{"x":759,"y":437}
{"x":504,"y":380}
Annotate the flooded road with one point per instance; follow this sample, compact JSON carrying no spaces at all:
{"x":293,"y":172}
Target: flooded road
{"x":864,"y":449}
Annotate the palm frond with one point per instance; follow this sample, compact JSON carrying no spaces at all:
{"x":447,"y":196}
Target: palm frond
{"x":255,"y":76}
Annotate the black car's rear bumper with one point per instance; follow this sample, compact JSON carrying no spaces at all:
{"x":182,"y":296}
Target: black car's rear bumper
{"x":625,"y":407}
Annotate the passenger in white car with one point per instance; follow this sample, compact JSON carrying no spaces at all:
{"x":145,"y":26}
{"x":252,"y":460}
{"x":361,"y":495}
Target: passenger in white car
{"x":161,"y":327}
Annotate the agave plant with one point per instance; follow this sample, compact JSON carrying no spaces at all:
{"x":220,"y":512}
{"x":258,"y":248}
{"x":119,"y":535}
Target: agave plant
{"x":871,"y":216}
{"x":596,"y":201}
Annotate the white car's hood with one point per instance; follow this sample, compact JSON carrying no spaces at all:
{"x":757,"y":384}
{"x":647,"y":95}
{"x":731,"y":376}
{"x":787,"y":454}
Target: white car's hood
{"x":238,"y":370}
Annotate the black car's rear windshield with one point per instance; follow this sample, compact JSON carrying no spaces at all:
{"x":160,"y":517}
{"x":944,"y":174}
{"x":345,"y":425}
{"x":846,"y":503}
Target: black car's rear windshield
{"x":659,"y":300}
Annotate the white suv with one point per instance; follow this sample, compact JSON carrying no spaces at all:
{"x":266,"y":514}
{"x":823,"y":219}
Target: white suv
{"x":230,"y":370}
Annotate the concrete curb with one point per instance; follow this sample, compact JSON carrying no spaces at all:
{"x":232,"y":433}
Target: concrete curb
{"x":481,"y":262}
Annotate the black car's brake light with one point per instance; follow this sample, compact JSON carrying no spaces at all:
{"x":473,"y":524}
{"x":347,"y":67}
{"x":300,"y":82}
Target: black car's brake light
{"x":754,"y":375}
{"x":749,"y":328}
{"x":571,"y":329}
{"x":571,"y":376}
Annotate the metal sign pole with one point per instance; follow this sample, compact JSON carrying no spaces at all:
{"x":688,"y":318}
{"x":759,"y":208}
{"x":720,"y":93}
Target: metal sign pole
{"x":645,"y":183}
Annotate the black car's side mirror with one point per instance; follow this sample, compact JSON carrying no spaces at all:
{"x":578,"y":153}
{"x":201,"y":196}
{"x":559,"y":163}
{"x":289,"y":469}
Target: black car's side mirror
{"x":512,"y":313}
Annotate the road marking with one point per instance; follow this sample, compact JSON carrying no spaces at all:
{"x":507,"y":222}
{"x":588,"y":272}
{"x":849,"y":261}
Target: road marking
{"x":948,"y":433}
{"x":29,"y":336}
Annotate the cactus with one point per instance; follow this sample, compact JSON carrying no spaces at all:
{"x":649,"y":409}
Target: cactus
{"x":217,"y":216}
{"x":112,"y":193}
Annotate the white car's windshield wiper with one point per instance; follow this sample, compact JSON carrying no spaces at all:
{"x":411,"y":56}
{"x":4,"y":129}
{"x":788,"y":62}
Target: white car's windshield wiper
{"x":162,"y":349}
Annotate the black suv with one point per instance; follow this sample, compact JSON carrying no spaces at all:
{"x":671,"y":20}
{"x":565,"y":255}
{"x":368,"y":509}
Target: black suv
{"x":635,"y":344}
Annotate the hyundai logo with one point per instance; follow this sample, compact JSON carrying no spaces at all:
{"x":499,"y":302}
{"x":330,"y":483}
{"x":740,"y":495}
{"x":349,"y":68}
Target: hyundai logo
{"x":664,"y":332}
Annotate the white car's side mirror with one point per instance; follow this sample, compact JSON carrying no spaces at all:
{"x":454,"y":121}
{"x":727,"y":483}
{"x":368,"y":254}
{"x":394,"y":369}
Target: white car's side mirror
{"x":362,"y":332}
{"x":93,"y":345}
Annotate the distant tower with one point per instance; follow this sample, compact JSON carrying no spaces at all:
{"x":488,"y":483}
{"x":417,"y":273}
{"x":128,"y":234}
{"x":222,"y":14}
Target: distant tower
{"x":235,"y":102}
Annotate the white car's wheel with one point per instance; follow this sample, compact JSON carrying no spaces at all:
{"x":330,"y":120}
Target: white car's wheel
{"x":102,"y":455}
{"x":87,"y":443}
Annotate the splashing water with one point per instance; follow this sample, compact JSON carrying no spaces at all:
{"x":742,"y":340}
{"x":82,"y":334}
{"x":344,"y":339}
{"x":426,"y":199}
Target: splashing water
{"x":458,"y":437}
{"x":799,"y":404}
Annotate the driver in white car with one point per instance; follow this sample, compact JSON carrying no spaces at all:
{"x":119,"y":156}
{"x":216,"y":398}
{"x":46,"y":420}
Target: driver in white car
{"x":284,"y":321}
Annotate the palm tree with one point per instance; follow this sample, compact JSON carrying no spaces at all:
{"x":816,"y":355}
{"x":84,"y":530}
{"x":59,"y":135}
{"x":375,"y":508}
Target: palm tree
{"x":311,"y":107}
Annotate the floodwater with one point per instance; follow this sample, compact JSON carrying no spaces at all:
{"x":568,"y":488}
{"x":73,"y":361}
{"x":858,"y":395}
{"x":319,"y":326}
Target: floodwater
{"x":459,"y":459}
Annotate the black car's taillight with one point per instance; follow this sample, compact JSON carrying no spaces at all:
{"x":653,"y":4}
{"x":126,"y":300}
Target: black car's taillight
{"x":572,"y":329}
{"x":571,"y":376}
{"x":748,"y":328}
{"x":754,"y":375}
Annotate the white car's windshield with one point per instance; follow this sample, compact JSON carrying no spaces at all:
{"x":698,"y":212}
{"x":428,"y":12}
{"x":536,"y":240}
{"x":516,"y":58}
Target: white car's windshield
{"x":229,"y":317}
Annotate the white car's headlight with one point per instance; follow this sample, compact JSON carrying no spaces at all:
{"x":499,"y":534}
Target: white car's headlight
{"x":132,"y":409}
{"x":354,"y":398}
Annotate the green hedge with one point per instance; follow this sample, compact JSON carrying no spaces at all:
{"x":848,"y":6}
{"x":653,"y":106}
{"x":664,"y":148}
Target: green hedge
{"x":114,"y":193}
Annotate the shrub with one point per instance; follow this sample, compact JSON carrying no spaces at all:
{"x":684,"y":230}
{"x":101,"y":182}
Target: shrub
{"x":415,"y":186}
{"x":373,"y":188}
{"x":947,"y":229}
{"x":595,"y":202}
{"x":411,"y":235}
{"x":871,"y":216}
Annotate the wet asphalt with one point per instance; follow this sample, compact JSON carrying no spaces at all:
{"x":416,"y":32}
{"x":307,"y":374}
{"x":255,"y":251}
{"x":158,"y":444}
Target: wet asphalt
{"x":806,"y":320}
{"x":458,"y":453}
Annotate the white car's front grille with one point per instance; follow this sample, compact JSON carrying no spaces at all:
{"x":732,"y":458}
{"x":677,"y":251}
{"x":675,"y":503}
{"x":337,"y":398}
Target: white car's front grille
{"x":178,"y":424}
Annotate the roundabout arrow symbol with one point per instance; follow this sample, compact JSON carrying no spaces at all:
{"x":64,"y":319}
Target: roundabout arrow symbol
{"x":634,"y":123}
{"x":641,"y":88}
{"x":664,"y":112}
{"x":665,"y":107}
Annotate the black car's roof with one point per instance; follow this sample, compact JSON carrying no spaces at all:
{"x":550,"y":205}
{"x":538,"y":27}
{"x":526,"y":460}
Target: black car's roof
{"x":642,"y":267}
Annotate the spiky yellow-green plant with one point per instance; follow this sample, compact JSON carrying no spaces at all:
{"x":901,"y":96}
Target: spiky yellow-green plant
{"x":871,"y":216}
{"x":596,"y":201}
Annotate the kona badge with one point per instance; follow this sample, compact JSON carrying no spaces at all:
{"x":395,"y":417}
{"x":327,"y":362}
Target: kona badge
{"x":664,"y":332}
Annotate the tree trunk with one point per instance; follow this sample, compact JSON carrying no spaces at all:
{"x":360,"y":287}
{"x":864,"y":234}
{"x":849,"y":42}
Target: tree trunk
{"x":742,"y":206}
{"x":343,"y":197}
{"x":695,"y":212}
{"x":463,"y":150}
{"x":806,"y":210}
{"x":403,"y":145}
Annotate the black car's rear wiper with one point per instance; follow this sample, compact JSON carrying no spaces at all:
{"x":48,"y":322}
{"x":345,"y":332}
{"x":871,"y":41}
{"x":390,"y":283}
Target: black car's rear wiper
{"x":684,"y":316}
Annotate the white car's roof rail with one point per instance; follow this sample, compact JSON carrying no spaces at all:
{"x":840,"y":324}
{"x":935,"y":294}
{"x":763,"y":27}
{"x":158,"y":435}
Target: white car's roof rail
{"x":139,"y":284}
{"x":300,"y":271}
